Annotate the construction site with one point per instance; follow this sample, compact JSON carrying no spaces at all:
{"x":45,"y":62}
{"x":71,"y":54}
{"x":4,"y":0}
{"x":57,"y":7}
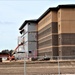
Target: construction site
{"x":52,"y":34}
{"x":46,"y":45}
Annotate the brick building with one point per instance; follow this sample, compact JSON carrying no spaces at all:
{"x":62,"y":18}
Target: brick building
{"x":55,"y":30}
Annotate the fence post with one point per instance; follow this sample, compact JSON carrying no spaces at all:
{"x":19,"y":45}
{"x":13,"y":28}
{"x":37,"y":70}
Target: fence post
{"x":24,"y":66}
{"x":58,"y":66}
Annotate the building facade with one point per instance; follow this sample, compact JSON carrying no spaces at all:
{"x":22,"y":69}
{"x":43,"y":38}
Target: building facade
{"x":29,"y":33}
{"x":55,"y":30}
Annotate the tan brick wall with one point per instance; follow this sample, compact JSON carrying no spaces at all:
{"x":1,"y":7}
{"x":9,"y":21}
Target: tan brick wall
{"x":66,"y":24}
{"x":50,"y":17}
{"x":68,"y":27}
{"x":66,"y":20}
{"x":68,"y":14}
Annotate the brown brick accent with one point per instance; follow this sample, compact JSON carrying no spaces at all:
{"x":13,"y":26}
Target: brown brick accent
{"x":45,"y":52}
{"x":60,"y":51}
{"x":67,"y":39}
{"x":54,"y":27}
{"x":55,"y":51}
{"x":44,"y":33}
{"x":67,"y":51}
{"x":54,"y":40}
{"x":51,"y":40}
{"x":49,"y":29}
{"x":45,"y":28}
{"x":45,"y":44}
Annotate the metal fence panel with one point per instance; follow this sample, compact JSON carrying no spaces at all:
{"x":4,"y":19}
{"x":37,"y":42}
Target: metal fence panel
{"x":11,"y":68}
{"x":42,"y":65}
{"x":54,"y":66}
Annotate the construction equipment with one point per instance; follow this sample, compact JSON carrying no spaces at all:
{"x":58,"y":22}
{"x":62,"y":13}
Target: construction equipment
{"x":17,"y":47}
{"x":12,"y":57}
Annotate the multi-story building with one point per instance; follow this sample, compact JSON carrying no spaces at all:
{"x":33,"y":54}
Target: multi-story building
{"x":29,"y":34}
{"x":55,"y":30}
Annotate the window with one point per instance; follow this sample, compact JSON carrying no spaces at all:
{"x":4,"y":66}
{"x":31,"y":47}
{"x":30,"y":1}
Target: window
{"x":59,"y":27}
{"x":59,"y":39}
{"x":30,"y":51}
{"x":28,"y":23}
{"x":58,"y":14}
{"x":73,"y":52}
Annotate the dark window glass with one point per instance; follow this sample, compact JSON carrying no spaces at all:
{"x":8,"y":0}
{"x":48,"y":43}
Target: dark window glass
{"x":30,"y":51}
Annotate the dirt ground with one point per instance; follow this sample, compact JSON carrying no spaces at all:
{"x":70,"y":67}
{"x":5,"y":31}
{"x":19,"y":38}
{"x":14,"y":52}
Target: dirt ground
{"x":37,"y":68}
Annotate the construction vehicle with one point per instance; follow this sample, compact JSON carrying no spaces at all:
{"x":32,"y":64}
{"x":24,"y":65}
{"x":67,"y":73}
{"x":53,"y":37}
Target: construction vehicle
{"x":17,"y":48}
{"x":13,"y":57}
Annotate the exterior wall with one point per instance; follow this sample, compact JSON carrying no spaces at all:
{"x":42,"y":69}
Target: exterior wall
{"x":26,"y":47}
{"x":45,"y":21}
{"x":45,"y":51}
{"x":26,"y":28}
{"x":32,"y":27}
{"x":30,"y":36}
{"x":67,"y":50}
{"x":66,"y":20}
{"x":67,"y":39}
{"x":66,"y":31}
{"x":53,"y":35}
{"x":48,"y":35}
{"x":49,"y":18}
{"x":26,"y":37}
{"x":56,"y":31}
{"x":32,"y":46}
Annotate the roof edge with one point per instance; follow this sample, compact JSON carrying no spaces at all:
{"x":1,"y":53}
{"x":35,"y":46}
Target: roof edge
{"x":55,"y":9}
{"x":27,"y":21}
{"x":46,"y":12}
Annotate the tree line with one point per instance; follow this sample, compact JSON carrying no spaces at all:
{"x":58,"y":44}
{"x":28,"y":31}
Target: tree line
{"x":6,"y":51}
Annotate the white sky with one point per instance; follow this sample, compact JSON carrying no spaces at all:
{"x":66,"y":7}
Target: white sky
{"x":14,"y":12}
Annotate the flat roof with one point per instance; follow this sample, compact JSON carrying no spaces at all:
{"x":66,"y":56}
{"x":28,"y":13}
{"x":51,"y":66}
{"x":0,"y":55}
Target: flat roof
{"x":55,"y":9}
{"x":46,"y":12}
{"x":27,"y":21}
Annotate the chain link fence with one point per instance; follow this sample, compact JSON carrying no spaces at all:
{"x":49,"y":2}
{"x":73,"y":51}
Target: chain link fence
{"x":49,"y":65}
{"x":41,"y":65}
{"x":11,"y":67}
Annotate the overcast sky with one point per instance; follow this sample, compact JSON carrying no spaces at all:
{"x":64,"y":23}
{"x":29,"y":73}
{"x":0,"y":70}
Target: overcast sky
{"x":14,"y":12}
